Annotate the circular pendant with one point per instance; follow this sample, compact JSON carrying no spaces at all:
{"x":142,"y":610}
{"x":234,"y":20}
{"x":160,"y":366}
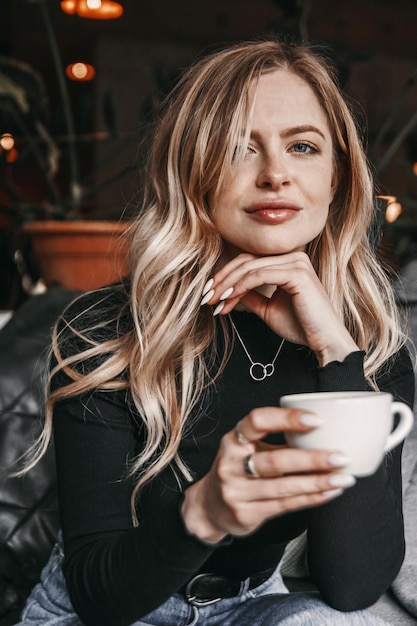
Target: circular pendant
{"x":259,"y":371}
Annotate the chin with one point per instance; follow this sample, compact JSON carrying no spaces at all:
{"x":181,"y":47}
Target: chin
{"x":276,"y":250}
{"x":262,"y":249}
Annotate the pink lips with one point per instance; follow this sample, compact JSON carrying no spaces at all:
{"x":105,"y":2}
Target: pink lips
{"x":273,"y":212}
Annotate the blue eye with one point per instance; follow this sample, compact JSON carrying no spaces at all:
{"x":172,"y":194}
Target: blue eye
{"x":303,"y":148}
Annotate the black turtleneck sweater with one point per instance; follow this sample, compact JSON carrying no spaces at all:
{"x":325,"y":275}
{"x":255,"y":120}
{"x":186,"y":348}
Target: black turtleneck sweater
{"x":117,"y":573}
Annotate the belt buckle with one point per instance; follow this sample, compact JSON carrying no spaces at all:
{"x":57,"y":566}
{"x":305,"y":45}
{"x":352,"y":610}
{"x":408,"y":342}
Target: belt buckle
{"x":192,"y":598}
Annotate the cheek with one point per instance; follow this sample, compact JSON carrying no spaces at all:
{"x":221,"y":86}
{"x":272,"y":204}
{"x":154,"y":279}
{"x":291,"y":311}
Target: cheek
{"x":320,"y":215}
{"x":221,"y":222}
{"x":324,"y":209}
{"x":221,"y":206}
{"x":326,"y":192}
{"x":217,"y":217}
{"x":217,"y":199}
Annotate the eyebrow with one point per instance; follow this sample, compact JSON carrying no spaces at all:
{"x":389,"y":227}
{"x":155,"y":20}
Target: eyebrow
{"x":296,"y":130}
{"x":307,"y":128}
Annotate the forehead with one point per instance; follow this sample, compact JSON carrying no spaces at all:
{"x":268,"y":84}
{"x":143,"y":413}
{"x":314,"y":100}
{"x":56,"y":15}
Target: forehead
{"x":282,"y":96}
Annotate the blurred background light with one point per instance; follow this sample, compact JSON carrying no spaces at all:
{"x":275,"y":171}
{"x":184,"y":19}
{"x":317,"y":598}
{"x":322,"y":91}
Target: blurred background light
{"x":7,"y":141}
{"x":93,"y":9}
{"x":393,"y":208}
{"x":80,"y":71}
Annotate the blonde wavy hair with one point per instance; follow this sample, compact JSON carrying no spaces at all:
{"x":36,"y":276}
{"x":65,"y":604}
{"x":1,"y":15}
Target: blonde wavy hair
{"x":162,"y":358}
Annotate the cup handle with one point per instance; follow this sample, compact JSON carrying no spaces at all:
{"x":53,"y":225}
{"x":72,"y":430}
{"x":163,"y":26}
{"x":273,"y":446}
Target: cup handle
{"x":404,"y":425}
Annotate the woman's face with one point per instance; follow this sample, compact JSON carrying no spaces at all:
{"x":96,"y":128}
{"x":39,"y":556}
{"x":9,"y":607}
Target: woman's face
{"x":277,"y":199}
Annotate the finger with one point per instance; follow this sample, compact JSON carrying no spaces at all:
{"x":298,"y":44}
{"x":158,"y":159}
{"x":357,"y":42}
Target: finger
{"x":246,"y":262}
{"x":244,"y":265}
{"x":246,"y":277}
{"x":240,"y":437}
{"x":270,"y":419}
{"x":253,"y":300}
{"x":232,"y":266}
{"x":291,"y":486}
{"x":291,"y":282}
{"x":225,"y":280}
{"x":285,"y":460}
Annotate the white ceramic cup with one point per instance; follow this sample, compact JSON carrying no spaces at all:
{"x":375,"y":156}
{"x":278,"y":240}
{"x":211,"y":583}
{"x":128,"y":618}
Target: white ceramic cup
{"x":356,"y":423}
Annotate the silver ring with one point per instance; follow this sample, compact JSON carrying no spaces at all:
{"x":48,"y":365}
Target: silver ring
{"x":241,"y":438}
{"x":249,"y":468}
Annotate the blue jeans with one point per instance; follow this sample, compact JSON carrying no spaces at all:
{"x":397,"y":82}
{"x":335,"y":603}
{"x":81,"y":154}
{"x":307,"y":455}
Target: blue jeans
{"x":267,"y":605}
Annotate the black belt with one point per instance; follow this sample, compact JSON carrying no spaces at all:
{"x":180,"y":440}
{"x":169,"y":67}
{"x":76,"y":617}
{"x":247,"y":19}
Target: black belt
{"x":205,"y":589}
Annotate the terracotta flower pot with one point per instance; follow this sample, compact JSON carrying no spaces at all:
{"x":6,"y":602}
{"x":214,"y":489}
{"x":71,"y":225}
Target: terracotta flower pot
{"x":80,"y":255}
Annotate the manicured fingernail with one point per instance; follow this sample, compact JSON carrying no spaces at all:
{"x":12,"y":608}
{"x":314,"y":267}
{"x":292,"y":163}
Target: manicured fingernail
{"x":226,"y":294}
{"x":208,"y":285}
{"x":207,"y":297}
{"x":219,"y":308}
{"x":339,"y":460}
{"x":341,"y":480}
{"x":332,"y":493}
{"x":308,"y":419}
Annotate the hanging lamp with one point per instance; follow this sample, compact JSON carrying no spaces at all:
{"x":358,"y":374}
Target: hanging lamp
{"x":80,"y":71}
{"x":93,"y":9}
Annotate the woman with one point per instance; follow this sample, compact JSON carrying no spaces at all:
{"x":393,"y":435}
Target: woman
{"x":252,"y":276}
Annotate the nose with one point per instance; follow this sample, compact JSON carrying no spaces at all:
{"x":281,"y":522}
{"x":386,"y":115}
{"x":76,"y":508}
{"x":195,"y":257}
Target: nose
{"x":273,"y":172}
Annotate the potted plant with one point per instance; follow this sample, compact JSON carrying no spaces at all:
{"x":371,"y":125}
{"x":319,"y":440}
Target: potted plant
{"x":66,"y":239}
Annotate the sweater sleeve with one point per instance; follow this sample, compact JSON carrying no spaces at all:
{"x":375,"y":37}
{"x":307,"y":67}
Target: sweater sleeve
{"x":356,"y":542}
{"x":115,"y":573}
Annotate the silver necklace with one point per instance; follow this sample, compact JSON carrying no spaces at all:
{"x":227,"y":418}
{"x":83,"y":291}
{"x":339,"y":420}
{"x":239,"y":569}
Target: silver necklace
{"x":258,"y":371}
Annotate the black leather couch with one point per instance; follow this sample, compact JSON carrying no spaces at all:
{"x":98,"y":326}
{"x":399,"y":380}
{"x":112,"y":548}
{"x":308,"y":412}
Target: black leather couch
{"x":28,"y":506}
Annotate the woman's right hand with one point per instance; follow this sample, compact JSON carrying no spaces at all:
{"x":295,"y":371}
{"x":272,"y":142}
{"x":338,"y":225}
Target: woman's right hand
{"x":228,"y":500}
{"x":285,"y":292}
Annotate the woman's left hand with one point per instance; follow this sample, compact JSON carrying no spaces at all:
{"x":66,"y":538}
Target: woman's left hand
{"x":298,"y":308}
